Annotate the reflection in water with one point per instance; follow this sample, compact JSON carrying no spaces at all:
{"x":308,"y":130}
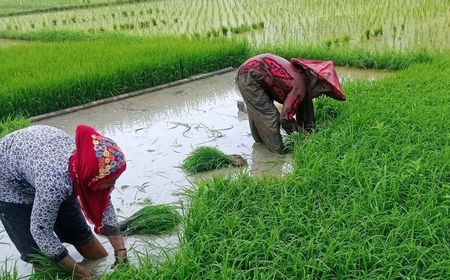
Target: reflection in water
{"x":156,"y":131}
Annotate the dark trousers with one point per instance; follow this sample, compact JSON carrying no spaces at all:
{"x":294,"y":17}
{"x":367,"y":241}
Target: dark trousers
{"x":70,"y":226}
{"x":263,"y":116}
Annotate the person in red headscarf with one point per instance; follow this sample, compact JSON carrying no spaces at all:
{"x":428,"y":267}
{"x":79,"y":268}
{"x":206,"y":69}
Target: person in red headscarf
{"x":47,"y":180}
{"x":266,"y":78}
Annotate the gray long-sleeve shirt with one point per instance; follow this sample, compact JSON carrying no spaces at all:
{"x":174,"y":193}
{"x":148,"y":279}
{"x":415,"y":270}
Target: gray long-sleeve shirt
{"x":34,"y":169}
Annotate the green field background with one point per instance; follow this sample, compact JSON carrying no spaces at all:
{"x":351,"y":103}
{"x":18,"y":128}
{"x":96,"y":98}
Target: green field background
{"x":369,"y":195}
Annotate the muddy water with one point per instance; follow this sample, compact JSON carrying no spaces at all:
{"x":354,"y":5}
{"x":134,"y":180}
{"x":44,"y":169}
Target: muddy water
{"x":349,"y":74}
{"x":156,"y":131}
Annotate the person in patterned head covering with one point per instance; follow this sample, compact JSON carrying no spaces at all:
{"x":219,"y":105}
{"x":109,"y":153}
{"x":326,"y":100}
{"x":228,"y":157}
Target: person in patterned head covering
{"x":266,"y":78}
{"x":45,"y":176}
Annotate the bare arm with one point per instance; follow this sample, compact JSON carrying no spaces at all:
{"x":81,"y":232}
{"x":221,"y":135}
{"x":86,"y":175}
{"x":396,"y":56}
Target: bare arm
{"x":112,"y":231}
{"x":118,"y":243}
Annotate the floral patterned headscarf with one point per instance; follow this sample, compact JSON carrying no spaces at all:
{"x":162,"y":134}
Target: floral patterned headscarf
{"x":96,"y":162}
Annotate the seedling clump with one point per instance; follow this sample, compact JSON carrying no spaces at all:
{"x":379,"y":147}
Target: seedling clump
{"x":48,"y":269}
{"x":152,"y":220}
{"x":209,"y":158}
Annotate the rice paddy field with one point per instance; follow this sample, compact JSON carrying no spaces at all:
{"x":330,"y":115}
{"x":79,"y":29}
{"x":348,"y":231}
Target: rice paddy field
{"x":17,"y":7}
{"x":369,"y":193}
{"x":399,"y":24}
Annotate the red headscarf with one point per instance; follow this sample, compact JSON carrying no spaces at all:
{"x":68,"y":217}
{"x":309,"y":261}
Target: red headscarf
{"x":96,"y":160}
{"x":324,"y":70}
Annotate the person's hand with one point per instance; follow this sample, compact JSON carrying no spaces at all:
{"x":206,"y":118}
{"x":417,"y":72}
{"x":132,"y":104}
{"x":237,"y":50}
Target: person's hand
{"x":289,"y":126}
{"x":79,"y":271}
{"x":83,"y":273}
{"x":121,"y":257}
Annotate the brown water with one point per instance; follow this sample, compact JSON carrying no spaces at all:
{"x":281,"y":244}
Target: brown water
{"x":156,"y":131}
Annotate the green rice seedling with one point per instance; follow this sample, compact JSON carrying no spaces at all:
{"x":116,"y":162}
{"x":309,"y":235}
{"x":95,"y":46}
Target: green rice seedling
{"x":209,"y":158}
{"x":152,"y":220}
{"x":7,"y":273}
{"x":11,"y":124}
{"x":367,"y":34}
{"x":49,"y":269}
{"x":378,"y":32}
{"x":359,"y":19}
{"x":289,"y":142}
{"x":224,"y":30}
{"x":50,"y":73}
{"x":325,"y":111}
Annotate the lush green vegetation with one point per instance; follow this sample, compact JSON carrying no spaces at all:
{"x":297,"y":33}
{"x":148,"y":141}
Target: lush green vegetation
{"x":368,"y":198}
{"x":152,"y":219}
{"x":383,"y":24}
{"x":11,"y":124}
{"x":42,"y":77}
{"x":50,"y":270}
{"x":369,"y":194}
{"x":78,"y":67}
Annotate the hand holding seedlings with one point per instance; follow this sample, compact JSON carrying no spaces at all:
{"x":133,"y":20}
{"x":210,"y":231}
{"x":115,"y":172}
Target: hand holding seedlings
{"x":120,"y":256}
{"x":266,"y":78}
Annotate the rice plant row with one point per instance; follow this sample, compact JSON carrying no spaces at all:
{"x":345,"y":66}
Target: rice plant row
{"x":56,"y":75}
{"x":14,"y":7}
{"x":398,"y":24}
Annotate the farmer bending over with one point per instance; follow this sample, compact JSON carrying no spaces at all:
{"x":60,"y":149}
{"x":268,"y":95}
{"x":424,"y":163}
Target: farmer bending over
{"x":267,"y":77}
{"x":44,"y":178}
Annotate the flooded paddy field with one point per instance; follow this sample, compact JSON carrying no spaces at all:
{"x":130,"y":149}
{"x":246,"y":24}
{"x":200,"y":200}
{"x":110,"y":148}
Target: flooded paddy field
{"x":399,"y":24}
{"x":156,"y":131}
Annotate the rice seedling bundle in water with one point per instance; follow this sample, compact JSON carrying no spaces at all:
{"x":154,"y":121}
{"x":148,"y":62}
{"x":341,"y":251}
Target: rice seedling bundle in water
{"x":48,"y":269}
{"x":152,"y":219}
{"x":210,"y":158}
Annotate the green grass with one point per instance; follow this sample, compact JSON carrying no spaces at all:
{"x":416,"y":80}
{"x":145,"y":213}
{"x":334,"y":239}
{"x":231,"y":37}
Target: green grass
{"x":47,"y":35}
{"x":11,"y":124}
{"x":368,"y":197}
{"x":380,"y":25}
{"x":205,"y":159}
{"x":7,"y":273}
{"x":354,"y":57}
{"x":50,"y":270}
{"x":152,"y":220}
{"x":42,"y":77}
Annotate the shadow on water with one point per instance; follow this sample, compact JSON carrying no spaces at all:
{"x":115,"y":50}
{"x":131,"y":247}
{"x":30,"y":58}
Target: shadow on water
{"x":156,"y":131}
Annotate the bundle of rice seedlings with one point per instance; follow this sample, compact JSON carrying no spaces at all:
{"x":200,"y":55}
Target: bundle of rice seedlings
{"x":48,"y":269}
{"x":152,"y":219}
{"x":209,"y":158}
